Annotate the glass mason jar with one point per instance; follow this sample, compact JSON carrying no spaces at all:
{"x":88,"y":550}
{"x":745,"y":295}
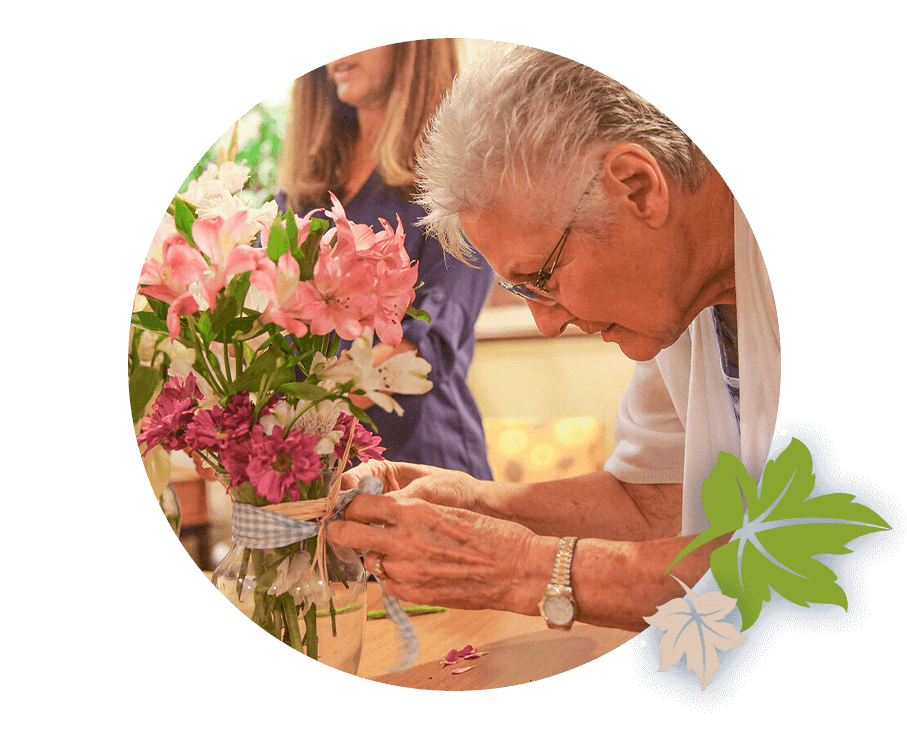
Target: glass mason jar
{"x":322,"y":616}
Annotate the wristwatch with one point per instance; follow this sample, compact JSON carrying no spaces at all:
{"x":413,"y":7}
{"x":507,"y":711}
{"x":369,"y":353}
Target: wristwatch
{"x":557,"y":605}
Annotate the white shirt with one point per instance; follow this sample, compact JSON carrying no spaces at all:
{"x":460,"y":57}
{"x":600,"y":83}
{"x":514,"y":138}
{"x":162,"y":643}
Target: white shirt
{"x":677,"y":414}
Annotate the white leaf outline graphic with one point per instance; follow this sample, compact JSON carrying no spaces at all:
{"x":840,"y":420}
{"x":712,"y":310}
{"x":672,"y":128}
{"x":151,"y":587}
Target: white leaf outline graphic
{"x":693,"y":626}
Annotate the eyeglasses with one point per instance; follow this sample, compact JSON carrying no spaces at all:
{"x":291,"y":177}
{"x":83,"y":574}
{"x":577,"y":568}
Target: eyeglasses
{"x":537,"y":291}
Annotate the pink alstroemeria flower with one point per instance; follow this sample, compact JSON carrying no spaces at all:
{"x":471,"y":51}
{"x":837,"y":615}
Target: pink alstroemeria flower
{"x":280,"y":284}
{"x":347,"y":233}
{"x":227,"y":247}
{"x":168,"y":280}
{"x":394,"y":293}
{"x":394,"y":275}
{"x":340,"y":296}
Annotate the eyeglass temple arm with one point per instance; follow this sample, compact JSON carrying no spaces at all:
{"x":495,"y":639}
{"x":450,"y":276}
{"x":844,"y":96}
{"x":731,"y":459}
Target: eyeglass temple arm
{"x":551,"y":262}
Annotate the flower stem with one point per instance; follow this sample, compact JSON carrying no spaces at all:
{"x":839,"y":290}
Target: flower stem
{"x":291,"y":621}
{"x":227,"y":375}
{"x":311,"y":633}
{"x":207,"y":370}
{"x":243,"y":569}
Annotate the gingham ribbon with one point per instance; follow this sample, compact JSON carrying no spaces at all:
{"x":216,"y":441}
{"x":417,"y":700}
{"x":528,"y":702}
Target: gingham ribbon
{"x":254,"y":527}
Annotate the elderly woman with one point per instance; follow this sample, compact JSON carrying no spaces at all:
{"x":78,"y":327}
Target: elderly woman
{"x":601,"y":213}
{"x":355,"y":127}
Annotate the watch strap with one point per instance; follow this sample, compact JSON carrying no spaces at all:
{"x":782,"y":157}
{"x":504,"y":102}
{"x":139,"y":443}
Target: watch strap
{"x":563,"y":562}
{"x":559,"y":589}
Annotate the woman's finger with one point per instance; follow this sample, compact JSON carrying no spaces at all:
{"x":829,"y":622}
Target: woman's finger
{"x":359,"y":536}
{"x":372,"y":509}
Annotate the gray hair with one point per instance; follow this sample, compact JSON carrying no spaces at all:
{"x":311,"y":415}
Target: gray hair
{"x":523,"y":119}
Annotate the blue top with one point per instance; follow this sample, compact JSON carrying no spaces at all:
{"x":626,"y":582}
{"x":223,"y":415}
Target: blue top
{"x":442,"y":427}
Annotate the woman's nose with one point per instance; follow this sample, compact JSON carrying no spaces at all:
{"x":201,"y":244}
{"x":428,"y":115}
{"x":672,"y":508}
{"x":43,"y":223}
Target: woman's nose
{"x":550,"y":319}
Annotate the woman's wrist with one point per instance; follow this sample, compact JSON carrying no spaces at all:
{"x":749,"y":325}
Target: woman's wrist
{"x":538,"y":560}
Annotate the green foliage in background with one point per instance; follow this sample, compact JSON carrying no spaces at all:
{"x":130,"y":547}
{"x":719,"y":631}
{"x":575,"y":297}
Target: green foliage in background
{"x":258,"y":150}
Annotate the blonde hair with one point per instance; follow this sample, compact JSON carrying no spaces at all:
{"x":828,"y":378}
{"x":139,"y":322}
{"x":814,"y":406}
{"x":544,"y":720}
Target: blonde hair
{"x":322,"y":130}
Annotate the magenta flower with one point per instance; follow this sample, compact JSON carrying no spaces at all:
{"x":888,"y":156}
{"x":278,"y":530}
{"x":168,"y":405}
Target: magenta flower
{"x":234,"y":458}
{"x":366,"y":444}
{"x":171,"y":414}
{"x":213,"y":427}
{"x":276,"y":463}
{"x":238,"y":413}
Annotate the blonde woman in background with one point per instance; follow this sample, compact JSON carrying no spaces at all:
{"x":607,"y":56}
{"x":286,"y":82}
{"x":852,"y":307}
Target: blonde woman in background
{"x":355,"y":127}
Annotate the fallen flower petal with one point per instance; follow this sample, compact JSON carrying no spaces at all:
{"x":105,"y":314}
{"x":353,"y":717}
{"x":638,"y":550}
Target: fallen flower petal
{"x":451,"y":657}
{"x":463,"y":669}
{"x":468,"y":649}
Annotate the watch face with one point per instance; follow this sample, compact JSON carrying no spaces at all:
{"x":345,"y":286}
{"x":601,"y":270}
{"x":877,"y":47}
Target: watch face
{"x":559,"y":610}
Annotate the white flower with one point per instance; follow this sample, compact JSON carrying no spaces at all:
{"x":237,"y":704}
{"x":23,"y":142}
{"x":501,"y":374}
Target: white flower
{"x":319,"y":420}
{"x":207,"y":195}
{"x":289,"y":576}
{"x":406,"y":373}
{"x":152,"y":343}
{"x":233,"y":176}
{"x":256,"y":300}
{"x":214,"y":199}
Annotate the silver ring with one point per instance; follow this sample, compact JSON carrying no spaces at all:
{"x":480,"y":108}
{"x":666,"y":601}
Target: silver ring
{"x":378,"y":568}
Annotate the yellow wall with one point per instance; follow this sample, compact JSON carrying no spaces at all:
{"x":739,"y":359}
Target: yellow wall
{"x":572,"y":375}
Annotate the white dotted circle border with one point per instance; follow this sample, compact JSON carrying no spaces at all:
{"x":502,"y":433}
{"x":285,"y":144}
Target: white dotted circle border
{"x":204,"y":587}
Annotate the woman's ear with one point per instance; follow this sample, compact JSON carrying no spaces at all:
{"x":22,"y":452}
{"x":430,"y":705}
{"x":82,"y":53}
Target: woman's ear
{"x":633,"y":181}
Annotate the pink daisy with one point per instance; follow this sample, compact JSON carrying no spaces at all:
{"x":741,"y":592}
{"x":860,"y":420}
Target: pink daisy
{"x":276,"y":463}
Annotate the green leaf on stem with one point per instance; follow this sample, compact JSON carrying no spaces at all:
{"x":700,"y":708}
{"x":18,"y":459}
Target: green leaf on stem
{"x":278,"y":242}
{"x":242,"y":326}
{"x":362,"y":416}
{"x":143,"y":381}
{"x":418,"y":314}
{"x":150,"y":321}
{"x":246,"y":494}
{"x":225,"y":311}
{"x":292,"y":230}
{"x":184,"y":218}
{"x":270,"y":366}
{"x":303,"y":390}
{"x":308,"y":251}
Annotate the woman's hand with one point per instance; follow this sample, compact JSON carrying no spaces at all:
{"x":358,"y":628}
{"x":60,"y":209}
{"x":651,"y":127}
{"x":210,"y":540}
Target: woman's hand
{"x":440,"y":555}
{"x":438,"y":486}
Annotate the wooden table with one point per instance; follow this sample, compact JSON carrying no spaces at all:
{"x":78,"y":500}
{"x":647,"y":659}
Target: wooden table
{"x":520,"y":648}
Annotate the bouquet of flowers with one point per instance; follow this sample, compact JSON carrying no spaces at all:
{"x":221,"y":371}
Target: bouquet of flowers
{"x":246,"y":307}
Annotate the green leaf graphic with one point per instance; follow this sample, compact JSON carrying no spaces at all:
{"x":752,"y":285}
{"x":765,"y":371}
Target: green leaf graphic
{"x":779,"y":533}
